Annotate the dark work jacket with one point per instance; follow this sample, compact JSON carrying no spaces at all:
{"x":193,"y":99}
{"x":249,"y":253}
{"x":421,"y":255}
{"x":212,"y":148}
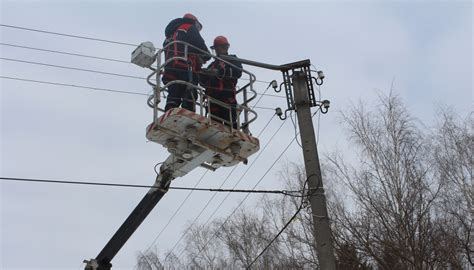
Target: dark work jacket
{"x":223,"y":85}
{"x":183,"y":29}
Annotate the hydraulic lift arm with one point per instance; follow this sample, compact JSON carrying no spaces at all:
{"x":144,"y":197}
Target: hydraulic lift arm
{"x":149,"y":201}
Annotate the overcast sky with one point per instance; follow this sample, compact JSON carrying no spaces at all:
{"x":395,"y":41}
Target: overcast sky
{"x":64,"y":133}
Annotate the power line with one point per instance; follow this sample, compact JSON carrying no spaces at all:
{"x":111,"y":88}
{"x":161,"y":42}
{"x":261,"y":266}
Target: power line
{"x":240,"y":179}
{"x":73,"y":85}
{"x":90,"y":56}
{"x":282,"y":229}
{"x":75,"y":36}
{"x":71,"y":68}
{"x":105,"y":73}
{"x":200,"y":213}
{"x":189,"y":194}
{"x":99,"y":89}
{"x":94,"y":57}
{"x":284,"y":192}
{"x":226,"y":179}
{"x":67,"y":35}
{"x":95,"y":88}
{"x":242,"y":176}
{"x":65,"y":53}
{"x":245,"y":198}
{"x":176,"y":211}
{"x":264,"y":92}
{"x":110,"y":90}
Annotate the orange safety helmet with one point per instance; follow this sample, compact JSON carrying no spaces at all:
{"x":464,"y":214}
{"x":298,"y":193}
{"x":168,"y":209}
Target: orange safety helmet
{"x":195,"y":19}
{"x":220,"y":41}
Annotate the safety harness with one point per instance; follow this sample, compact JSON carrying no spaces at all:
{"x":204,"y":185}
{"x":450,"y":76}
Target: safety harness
{"x":177,"y":50}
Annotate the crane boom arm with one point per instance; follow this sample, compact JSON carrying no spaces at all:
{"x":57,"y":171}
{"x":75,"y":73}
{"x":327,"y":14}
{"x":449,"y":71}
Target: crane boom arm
{"x":118,"y":240}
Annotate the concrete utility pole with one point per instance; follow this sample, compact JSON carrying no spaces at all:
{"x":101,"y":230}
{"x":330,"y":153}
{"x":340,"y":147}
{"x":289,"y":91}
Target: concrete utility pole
{"x":304,"y":100}
{"x":322,"y":231}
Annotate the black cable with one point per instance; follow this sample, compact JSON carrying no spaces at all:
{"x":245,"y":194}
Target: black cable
{"x":246,"y":196}
{"x":96,"y":57}
{"x":282,"y":229}
{"x":284,"y":192}
{"x":74,"y":36}
{"x":242,"y":176}
{"x":73,"y":85}
{"x":67,"y":35}
{"x":65,"y":53}
{"x":94,"y":88}
{"x":156,"y":166}
{"x":72,"y":68}
{"x":264,"y":92}
{"x":94,"y":71}
{"x":225,"y":180}
{"x":176,"y":211}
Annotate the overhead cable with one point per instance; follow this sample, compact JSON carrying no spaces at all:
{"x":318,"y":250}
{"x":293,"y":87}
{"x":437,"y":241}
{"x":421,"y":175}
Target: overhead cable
{"x":240,"y":179}
{"x":176,"y":211}
{"x":71,"y":68}
{"x":245,"y":198}
{"x":298,"y":210}
{"x":73,"y":85}
{"x":97,"y":88}
{"x":65,"y":53}
{"x":225,"y":180}
{"x":88,"y":56}
{"x":67,"y":35}
{"x":284,"y":192}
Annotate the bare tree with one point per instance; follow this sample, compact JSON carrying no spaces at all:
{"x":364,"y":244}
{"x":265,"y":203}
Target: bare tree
{"x":149,"y":260}
{"x":297,"y":246}
{"x":453,"y":147}
{"x":203,"y":250}
{"x":392,"y":188}
{"x":245,"y":234}
{"x":406,"y":202}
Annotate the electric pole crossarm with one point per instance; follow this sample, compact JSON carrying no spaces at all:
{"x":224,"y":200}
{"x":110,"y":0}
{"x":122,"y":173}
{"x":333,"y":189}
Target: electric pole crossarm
{"x":322,"y":230}
{"x":285,"y":67}
{"x":118,"y":240}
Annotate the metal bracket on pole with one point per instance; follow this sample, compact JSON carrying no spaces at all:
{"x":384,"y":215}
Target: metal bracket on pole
{"x":288,"y":71}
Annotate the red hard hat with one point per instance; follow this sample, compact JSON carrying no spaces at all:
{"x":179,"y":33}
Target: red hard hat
{"x":219,"y":41}
{"x":194,"y":18}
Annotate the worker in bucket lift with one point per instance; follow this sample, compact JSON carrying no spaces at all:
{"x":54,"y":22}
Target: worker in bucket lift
{"x":184,"y":29}
{"x":220,"y":81}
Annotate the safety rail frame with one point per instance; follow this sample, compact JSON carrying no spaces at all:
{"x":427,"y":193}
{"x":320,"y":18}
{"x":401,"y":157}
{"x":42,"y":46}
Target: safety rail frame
{"x":203,"y":100}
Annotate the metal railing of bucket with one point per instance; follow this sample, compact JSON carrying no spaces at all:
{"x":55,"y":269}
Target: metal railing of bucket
{"x":203,"y":101}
